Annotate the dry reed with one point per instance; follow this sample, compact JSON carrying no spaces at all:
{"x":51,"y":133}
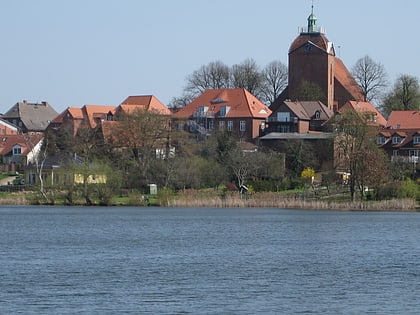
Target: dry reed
{"x":275,"y":200}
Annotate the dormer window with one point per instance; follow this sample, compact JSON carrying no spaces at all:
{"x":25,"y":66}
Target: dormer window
{"x":317,"y":114}
{"x":416,"y":139}
{"x":202,"y":110}
{"x":396,"y":139}
{"x":381,"y":140}
{"x":223,"y":111}
{"x":17,"y":150}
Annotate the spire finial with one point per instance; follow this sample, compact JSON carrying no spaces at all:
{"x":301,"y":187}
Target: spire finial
{"x":312,"y":20}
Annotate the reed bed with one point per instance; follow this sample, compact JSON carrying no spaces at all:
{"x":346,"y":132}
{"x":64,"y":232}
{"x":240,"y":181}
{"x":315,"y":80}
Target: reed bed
{"x":275,"y":200}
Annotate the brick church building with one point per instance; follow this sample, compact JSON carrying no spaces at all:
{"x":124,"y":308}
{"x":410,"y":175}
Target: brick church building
{"x":312,"y":59}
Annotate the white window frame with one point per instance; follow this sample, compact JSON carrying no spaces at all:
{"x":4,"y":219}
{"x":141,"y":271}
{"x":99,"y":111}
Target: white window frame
{"x":230,"y":125}
{"x":221,"y":125}
{"x":242,"y":125}
{"x":17,"y":150}
{"x":396,"y":139}
{"x":381,"y":139}
{"x":416,"y":139}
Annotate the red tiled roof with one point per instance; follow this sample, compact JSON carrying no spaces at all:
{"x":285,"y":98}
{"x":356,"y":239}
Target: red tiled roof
{"x":404,"y":119}
{"x":147,"y":102}
{"x":367,"y":108}
{"x":95,"y":113}
{"x":7,"y":143}
{"x":344,"y":77}
{"x":75,"y":112}
{"x":241,"y":103}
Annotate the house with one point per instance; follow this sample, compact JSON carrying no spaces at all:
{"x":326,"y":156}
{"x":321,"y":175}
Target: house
{"x":369,"y":111}
{"x":89,"y":116}
{"x":233,"y":110}
{"x":61,"y":170}
{"x":299,"y":117}
{"x":30,"y":117}
{"x":401,"y":136}
{"x":7,"y":128}
{"x":312,"y":59}
{"x":18,"y":150}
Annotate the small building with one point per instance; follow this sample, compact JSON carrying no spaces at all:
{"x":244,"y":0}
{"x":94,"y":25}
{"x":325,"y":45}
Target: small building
{"x":61,"y":170}
{"x":18,"y":150}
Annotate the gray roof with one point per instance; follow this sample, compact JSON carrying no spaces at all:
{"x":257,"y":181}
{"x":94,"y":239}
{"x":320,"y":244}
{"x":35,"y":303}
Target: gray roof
{"x":35,"y":116}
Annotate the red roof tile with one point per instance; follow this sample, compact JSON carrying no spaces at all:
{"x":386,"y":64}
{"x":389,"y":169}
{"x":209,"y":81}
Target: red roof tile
{"x":367,"y":108}
{"x":404,"y":119}
{"x":240,"y":102}
{"x":147,"y":102}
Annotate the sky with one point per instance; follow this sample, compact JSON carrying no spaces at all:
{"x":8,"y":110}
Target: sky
{"x":77,"y":52}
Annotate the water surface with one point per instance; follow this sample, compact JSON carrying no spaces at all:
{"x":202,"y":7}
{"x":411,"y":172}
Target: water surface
{"x":59,"y":260}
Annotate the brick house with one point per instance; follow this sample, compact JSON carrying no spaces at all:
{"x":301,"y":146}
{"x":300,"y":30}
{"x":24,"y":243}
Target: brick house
{"x":233,"y":110}
{"x":401,"y":136}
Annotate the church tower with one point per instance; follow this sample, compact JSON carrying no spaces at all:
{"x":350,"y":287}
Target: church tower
{"x":311,"y":63}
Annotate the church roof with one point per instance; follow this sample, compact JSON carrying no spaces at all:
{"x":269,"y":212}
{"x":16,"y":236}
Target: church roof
{"x":318,"y":39}
{"x":347,"y":81}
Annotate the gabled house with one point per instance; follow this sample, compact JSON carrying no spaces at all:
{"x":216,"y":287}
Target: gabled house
{"x":368,"y":110}
{"x":18,"y":150}
{"x":401,"y":136}
{"x":88,"y":116}
{"x":233,"y":110}
{"x":30,"y":117}
{"x":298,"y":117}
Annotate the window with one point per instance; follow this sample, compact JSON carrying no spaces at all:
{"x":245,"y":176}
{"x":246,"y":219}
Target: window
{"x":396,"y":139}
{"x":230,"y":125}
{"x":283,"y":116}
{"x":221,"y":125}
{"x":394,"y":152}
{"x":381,"y":140}
{"x":224,"y":110}
{"x":211,"y":124}
{"x":416,"y":139}
{"x":17,"y":150}
{"x":317,"y":114}
{"x":242,"y":125}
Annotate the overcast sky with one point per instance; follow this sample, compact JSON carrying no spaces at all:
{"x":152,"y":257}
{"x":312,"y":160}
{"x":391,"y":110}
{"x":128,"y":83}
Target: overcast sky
{"x":76,"y":52}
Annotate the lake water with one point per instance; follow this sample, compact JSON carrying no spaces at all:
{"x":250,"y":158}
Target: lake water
{"x":59,"y":260}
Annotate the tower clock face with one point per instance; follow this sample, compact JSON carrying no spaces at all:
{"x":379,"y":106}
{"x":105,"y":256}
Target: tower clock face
{"x":307,"y":48}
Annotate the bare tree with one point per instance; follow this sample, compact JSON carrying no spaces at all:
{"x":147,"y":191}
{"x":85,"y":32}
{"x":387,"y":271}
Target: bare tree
{"x":371,"y":77}
{"x":214,"y":75}
{"x":274,"y":80}
{"x":247,"y":75}
{"x":404,"y":96}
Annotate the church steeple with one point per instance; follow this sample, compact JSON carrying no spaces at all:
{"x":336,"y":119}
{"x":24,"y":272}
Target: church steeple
{"x":312,"y":21}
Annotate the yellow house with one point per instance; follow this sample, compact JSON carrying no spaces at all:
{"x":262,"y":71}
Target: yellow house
{"x":57,"y":171}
